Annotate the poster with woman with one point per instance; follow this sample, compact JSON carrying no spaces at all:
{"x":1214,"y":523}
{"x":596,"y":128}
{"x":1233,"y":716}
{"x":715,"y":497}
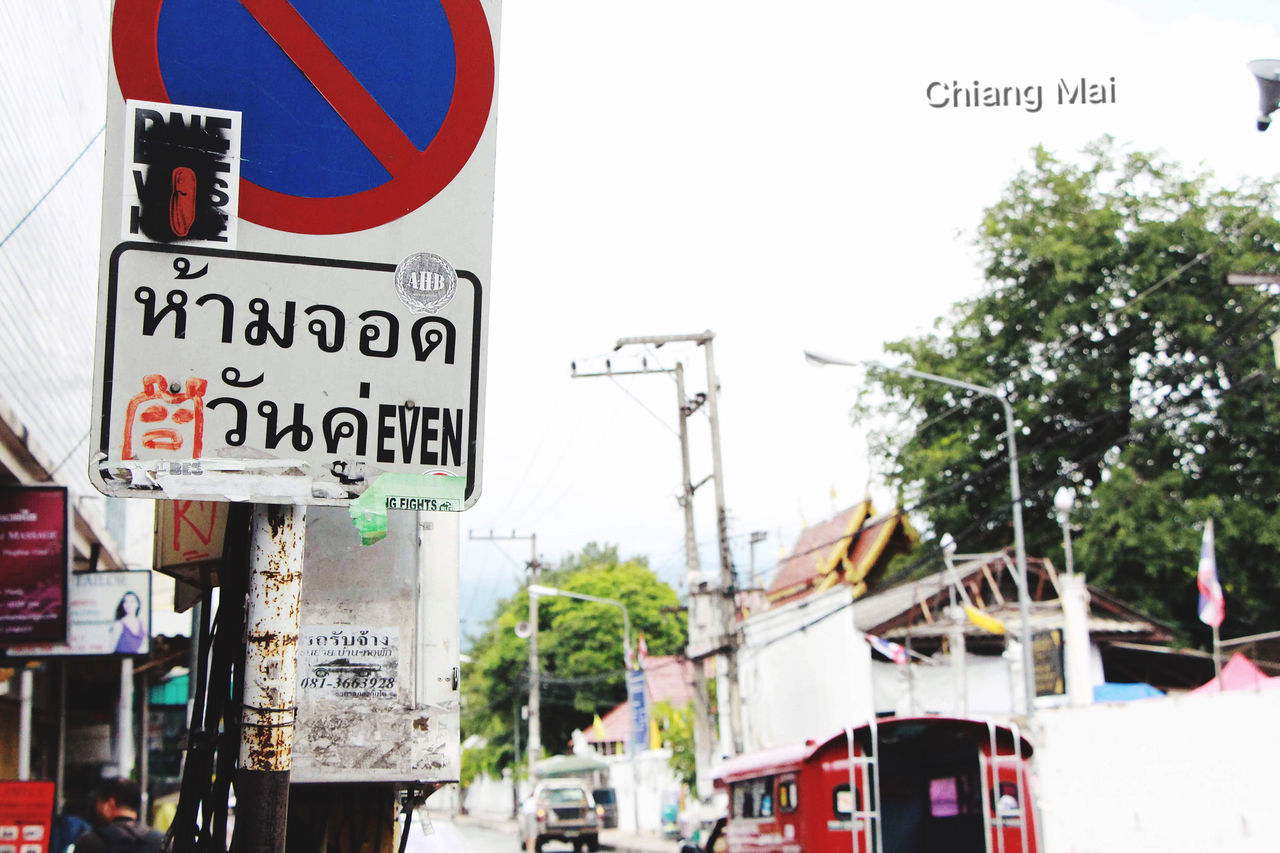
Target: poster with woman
{"x":110,"y":614}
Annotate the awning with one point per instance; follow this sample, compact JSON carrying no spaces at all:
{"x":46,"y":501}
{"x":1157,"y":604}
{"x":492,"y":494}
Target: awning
{"x":1240,"y":673}
{"x":569,"y":765}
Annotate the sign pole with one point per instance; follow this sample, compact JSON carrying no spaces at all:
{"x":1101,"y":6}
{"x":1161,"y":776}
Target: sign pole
{"x":26,"y":693}
{"x":270,"y":681}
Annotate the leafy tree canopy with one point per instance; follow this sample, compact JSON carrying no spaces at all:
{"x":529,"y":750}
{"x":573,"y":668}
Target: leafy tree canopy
{"x":1137,"y":377}
{"x":580,"y":651}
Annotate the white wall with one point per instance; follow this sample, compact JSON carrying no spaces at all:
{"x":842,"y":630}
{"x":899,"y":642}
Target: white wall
{"x":936,"y":688}
{"x":1187,"y":773}
{"x":488,"y":797}
{"x":801,"y":674}
{"x":656,"y":779}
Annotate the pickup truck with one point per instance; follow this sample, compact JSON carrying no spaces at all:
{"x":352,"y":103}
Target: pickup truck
{"x":561,"y":811}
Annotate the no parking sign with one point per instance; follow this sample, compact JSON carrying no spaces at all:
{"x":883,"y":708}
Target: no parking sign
{"x":295,"y":255}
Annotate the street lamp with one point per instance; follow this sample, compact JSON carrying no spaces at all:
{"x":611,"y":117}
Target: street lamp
{"x":1267,"y":72}
{"x":955,"y":632}
{"x":538,"y":590}
{"x":1015,"y":491}
{"x":1063,"y":500}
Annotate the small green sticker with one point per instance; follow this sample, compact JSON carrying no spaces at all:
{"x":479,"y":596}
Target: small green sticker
{"x":418,"y":492}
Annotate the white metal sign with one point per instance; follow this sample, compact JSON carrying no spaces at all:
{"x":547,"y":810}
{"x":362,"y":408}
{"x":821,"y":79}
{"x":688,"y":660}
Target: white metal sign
{"x":295,"y":252}
{"x":230,"y":375}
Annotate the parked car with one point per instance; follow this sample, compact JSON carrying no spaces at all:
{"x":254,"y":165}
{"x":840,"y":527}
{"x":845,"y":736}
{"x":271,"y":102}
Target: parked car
{"x":607,"y":806}
{"x":562,"y":810}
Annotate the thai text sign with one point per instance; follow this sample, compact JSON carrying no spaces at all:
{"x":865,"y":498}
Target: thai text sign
{"x":33,"y":564}
{"x":230,"y":376}
{"x":26,"y":816}
{"x":341,"y":661}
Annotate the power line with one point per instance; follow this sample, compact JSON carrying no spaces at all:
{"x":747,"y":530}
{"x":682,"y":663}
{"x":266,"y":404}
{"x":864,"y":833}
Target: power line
{"x":54,"y":185}
{"x":1107,"y":444}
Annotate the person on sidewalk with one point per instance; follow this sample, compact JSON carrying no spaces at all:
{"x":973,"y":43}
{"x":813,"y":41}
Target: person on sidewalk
{"x":116,"y":804}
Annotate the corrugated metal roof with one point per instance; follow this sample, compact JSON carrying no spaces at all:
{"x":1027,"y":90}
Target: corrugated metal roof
{"x":52,"y":98}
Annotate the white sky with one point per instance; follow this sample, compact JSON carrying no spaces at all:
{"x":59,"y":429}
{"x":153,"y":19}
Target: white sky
{"x":773,"y":173}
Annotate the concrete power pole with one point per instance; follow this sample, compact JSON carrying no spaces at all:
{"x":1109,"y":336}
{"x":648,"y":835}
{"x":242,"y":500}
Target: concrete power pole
{"x":727,"y":644}
{"x":703,"y":734}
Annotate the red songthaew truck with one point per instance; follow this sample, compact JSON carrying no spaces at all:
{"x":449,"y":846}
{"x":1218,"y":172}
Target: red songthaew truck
{"x":900,"y":785}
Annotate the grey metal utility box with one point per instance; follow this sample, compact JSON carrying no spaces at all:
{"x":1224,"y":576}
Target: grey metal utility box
{"x":378,"y":651}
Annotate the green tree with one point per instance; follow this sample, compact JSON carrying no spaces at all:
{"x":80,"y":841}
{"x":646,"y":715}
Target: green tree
{"x":1136,"y":376}
{"x":676,"y":725}
{"x":580,"y":650}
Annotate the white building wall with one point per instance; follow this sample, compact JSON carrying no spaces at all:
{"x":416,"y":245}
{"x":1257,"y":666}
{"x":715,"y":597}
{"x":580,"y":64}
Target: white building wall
{"x":1179,"y":774}
{"x":805,"y":671}
{"x":644,"y":802}
{"x":936,"y":689}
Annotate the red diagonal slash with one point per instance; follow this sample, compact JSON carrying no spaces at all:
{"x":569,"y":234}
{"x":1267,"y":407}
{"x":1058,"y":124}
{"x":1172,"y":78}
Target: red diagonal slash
{"x":416,"y":176}
{"x":382,"y":136}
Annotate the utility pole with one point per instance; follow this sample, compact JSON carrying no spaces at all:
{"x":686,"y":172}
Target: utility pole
{"x":702,"y":730}
{"x":535,"y":681}
{"x":731,"y":724}
{"x":270,"y":687}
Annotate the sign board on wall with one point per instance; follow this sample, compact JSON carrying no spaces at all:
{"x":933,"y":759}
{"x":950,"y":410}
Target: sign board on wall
{"x":26,"y":816}
{"x":293,"y":301}
{"x":34,"y":562}
{"x":638,"y":708}
{"x":109,"y":614}
{"x":189,"y":534}
{"x":1046,"y":647}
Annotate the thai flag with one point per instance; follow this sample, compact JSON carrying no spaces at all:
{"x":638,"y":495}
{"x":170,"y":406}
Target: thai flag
{"x":1212,"y":606}
{"x":888,"y":648}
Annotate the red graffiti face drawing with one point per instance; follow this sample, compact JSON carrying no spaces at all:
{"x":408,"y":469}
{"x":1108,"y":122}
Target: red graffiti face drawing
{"x":163,"y":424}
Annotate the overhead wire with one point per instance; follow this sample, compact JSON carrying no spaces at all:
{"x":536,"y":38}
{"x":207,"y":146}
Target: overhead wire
{"x":1256,"y":220}
{"x":1108,"y":443}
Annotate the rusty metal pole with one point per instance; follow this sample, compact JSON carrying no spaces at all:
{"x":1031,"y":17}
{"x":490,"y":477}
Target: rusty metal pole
{"x":270,"y":677}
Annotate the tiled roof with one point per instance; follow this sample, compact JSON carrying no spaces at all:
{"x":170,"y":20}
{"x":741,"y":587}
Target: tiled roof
{"x":842,"y":549}
{"x":818,"y":549}
{"x":666,"y":677}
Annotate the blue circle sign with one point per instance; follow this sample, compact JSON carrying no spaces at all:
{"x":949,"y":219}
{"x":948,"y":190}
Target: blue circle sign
{"x":353,"y":114}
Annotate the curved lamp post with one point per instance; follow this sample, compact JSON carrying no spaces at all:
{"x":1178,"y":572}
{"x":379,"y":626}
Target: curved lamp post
{"x":540,"y":591}
{"x":1015,"y":491}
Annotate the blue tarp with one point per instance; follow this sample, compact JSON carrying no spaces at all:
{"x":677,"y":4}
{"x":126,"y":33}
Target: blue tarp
{"x":1116,"y":692}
